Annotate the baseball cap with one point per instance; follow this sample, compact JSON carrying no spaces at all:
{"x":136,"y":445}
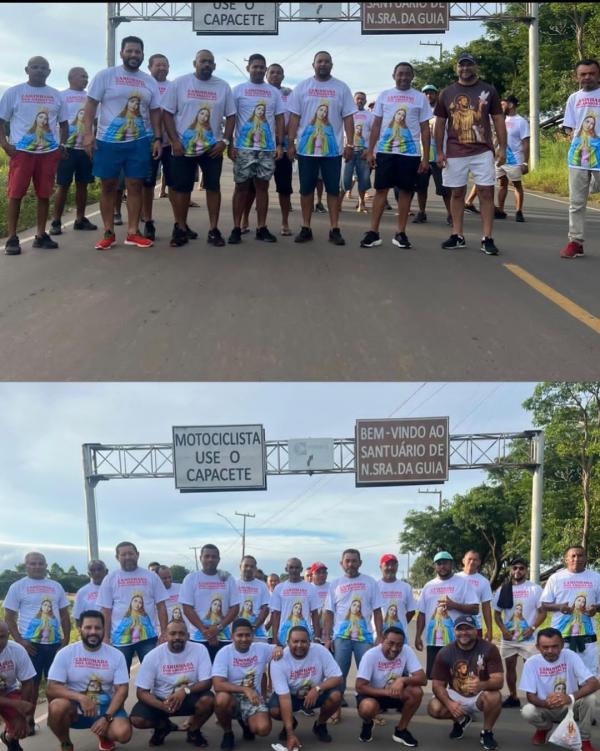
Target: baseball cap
{"x":316,"y":566}
{"x":466,"y":56}
{"x":443,"y":555}
{"x":429,"y":87}
{"x":465,"y":620}
{"x":387,"y":557}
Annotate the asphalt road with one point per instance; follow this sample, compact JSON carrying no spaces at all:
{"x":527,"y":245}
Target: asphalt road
{"x":306,"y":312}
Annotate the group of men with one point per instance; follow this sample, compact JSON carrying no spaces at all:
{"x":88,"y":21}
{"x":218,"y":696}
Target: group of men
{"x":219,"y":645}
{"x":128,"y":121}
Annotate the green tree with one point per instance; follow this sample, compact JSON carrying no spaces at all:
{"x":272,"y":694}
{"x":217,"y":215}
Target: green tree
{"x":421,"y":572}
{"x":179,"y":572}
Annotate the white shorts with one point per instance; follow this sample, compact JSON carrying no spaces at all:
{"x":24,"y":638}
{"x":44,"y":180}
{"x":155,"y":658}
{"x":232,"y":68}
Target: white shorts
{"x":519,"y":648}
{"x":512,"y":171}
{"x":468,"y":703}
{"x":457,"y":169}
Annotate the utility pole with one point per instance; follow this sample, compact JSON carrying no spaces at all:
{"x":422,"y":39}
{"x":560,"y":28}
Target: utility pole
{"x":252,"y":516}
{"x":195,"y":548}
{"x":433,"y":44}
{"x":434,"y":492}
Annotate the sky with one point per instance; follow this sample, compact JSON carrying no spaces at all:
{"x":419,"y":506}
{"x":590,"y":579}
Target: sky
{"x":42,"y":428}
{"x":71,"y":35}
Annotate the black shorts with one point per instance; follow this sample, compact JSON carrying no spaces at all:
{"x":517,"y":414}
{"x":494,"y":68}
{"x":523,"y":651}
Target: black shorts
{"x":385,"y":702}
{"x":283,"y":176}
{"x":156,"y":716}
{"x":298,"y":701}
{"x":436,"y":173}
{"x":165,"y":160}
{"x":396,"y":171}
{"x":313,"y":168}
{"x":77,"y":165}
{"x":431,"y":655}
{"x":184,"y":170}
{"x":43,"y":658}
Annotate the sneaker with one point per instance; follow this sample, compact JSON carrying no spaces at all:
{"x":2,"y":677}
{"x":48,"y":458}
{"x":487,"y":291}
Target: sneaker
{"x":245,"y":230}
{"x":12,"y":246}
{"x":12,"y":744}
{"x":105,"y":744}
{"x":405,"y":737}
{"x":118,"y":219}
{"x":108,"y":241}
{"x":308,"y":712}
{"x":472,"y":208}
{"x":335,"y":236}
{"x":190,"y":233}
{"x":572,"y":250}
{"x":66,"y":746}
{"x":228,"y":741}
{"x":362,"y":209}
{"x":370,"y":240}
{"x":420,"y":218}
{"x":158,"y":736}
{"x":511,"y":702}
{"x":499,"y":214}
{"x":539,"y":737}
{"x":320,"y":209}
{"x":400,"y":240}
{"x":387,"y":206}
{"x":215,"y":238}
{"x":488,"y":247}
{"x":56,"y":227}
{"x":519,"y":217}
{"x":247,"y":733}
{"x":320,"y":730}
{"x":458,"y":728}
{"x":83,"y":224}
{"x":587,"y":746}
{"x":262,"y":233}
{"x":304,"y":235}
{"x":178,"y":237}
{"x":44,"y":241}
{"x":196,"y":738}
{"x":487,"y":740}
{"x":149,"y":230}
{"x":138,"y":241}
{"x":235,"y":237}
{"x":454,"y":241}
{"x":366,"y":732}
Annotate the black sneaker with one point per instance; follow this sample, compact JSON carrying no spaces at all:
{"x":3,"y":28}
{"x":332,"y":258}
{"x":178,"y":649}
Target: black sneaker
{"x":262,"y":233}
{"x":12,"y":744}
{"x":499,"y":214}
{"x":228,"y":741}
{"x":150,"y":230}
{"x":158,"y":736}
{"x":400,"y":240}
{"x":190,"y":233}
{"x":178,"y":237}
{"x":215,"y":238}
{"x":519,"y":217}
{"x":458,"y":728}
{"x":84,"y":224}
{"x":405,"y":737}
{"x":335,"y":236}
{"x":488,"y":247}
{"x":487,"y":740}
{"x":320,"y":209}
{"x":366,"y":732}
{"x":308,"y":712}
{"x":196,"y":738}
{"x":56,"y":227}
{"x":235,"y":237}
{"x":511,"y":702}
{"x":472,"y":208}
{"x":320,"y":730}
{"x":304,"y":235}
{"x":454,"y":241}
{"x":449,"y":221}
{"x":248,"y":734}
{"x":12,"y":246}
{"x":44,"y":241}
{"x":420,"y":218}
{"x":370,"y":239}
{"x":118,"y":219}
{"x":283,"y":734}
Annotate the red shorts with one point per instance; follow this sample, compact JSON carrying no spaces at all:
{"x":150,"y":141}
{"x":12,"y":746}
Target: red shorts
{"x":41,"y":168}
{"x":8,"y":713}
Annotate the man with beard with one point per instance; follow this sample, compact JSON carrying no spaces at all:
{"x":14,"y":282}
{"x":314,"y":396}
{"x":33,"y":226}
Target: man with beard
{"x":305,"y":678}
{"x":87,"y":596}
{"x":16,"y":689}
{"x":481,"y":586}
{"x":254,"y":597}
{"x":398,"y":602}
{"x":132,"y":601}
{"x":518,"y":615}
{"x":87,"y":688}
{"x":467,"y":676}
{"x":174,"y":681}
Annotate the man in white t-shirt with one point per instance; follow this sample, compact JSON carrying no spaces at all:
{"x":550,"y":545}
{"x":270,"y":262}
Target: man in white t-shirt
{"x":16,"y":690}
{"x":174,"y":681}
{"x":518,"y":614}
{"x":359,"y":165}
{"x":37,"y":614}
{"x":132,"y":600}
{"x":390,"y":676}
{"x":294,"y":602}
{"x":88,"y":684}
{"x":306,"y":677}
{"x":572,"y":595}
{"x":517,"y":158}
{"x":581,"y":121}
{"x":481,"y":586}
{"x":321,"y":110}
{"x":283,"y":166}
{"x":254,"y":597}
{"x":86,"y":597}
{"x":174,"y":607}
{"x":34,"y":112}
{"x":210,"y":601}
{"x":555,"y":680}
{"x":442,"y":600}
{"x":318,"y":572}
{"x":398,"y":602}
{"x":237,"y":675}
{"x":399,"y":149}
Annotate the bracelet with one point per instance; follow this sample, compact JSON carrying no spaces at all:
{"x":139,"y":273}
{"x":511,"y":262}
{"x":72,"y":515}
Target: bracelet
{"x":158,"y":138}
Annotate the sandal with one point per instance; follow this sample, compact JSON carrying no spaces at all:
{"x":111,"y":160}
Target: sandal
{"x":379,"y":720}
{"x":286,"y":231}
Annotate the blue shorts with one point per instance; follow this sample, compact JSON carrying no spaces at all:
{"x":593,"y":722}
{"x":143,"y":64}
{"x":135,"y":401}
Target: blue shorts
{"x":133,"y":157}
{"x":84,"y":723}
{"x":313,"y":168}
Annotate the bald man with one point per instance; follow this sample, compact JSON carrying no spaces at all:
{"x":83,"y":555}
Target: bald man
{"x":77,"y":165}
{"x":33,"y":112}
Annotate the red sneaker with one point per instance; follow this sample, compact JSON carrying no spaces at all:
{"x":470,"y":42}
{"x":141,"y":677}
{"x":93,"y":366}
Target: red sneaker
{"x":539,"y":737}
{"x":139,"y":241}
{"x":108,"y":241}
{"x":587,"y":746}
{"x":573,"y":250}
{"x":105,"y":744}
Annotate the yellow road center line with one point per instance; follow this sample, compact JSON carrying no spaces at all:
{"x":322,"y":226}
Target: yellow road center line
{"x":570,"y":307}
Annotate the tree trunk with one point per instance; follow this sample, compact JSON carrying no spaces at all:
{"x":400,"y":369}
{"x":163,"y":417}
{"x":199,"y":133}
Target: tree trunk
{"x":587,"y":508}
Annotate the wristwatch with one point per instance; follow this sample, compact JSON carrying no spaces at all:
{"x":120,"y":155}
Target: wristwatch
{"x":108,"y":717}
{"x":318,"y":689}
{"x":187,"y":690}
{"x":226,"y":141}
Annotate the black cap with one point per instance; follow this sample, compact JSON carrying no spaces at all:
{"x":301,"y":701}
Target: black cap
{"x":465,"y":620}
{"x":466,"y":56}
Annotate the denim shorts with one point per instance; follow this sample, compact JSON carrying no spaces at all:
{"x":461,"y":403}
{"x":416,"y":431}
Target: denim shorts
{"x":133,"y":157}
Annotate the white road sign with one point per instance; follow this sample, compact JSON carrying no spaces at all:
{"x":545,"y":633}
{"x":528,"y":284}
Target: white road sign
{"x":235,"y":18}
{"x":310,"y":453}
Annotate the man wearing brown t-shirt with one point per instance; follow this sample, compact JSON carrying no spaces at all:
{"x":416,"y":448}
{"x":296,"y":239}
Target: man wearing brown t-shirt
{"x":463,"y":113}
{"x":467,"y":676}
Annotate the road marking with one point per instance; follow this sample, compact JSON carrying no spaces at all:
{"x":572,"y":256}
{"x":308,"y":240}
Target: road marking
{"x":564,"y":201}
{"x":557,"y":298}
{"x":66,"y":224}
